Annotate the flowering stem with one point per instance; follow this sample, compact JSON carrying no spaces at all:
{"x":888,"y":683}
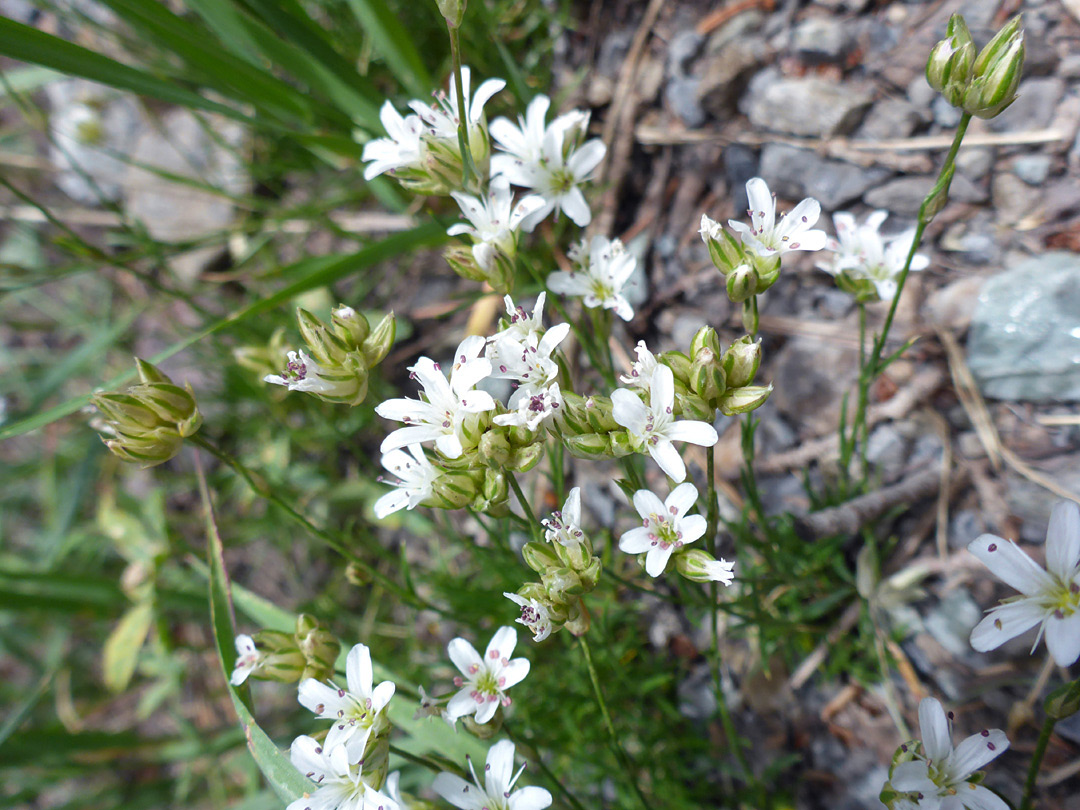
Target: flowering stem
{"x":620,"y":753}
{"x":468,"y":169}
{"x":535,"y":755}
{"x":336,"y":543}
{"x":1036,"y":761}
{"x":534,"y":524}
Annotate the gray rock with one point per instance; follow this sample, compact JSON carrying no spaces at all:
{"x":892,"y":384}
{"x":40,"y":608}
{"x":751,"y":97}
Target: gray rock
{"x":891,"y":118}
{"x":809,"y":106}
{"x":951,"y":621}
{"x":818,"y":40}
{"x":1033,"y":108}
{"x":1024,"y":342}
{"x":681,"y":97}
{"x":887,"y":450}
{"x":815,"y":374}
{"x":951,"y":306}
{"x":964,"y":527}
{"x":964,"y":190}
{"x":1070,"y":67}
{"x":976,"y":239}
{"x":795,"y":173}
{"x":920,"y":93}
{"x":725,"y":72}
{"x":1032,"y":503}
{"x":945,"y":114}
{"x":1032,"y":169}
{"x":1014,"y":200}
{"x":902,"y":196}
{"x":974,"y":163}
{"x":683,"y":47}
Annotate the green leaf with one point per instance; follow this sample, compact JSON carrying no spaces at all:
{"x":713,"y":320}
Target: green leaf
{"x":287,"y":782}
{"x":393,"y":43}
{"x":122,"y":647}
{"x":316,"y":272}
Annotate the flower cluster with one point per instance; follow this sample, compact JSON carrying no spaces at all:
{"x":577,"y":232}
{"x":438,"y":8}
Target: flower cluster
{"x":865,"y":263}
{"x":601,"y":270}
{"x":272,"y":655}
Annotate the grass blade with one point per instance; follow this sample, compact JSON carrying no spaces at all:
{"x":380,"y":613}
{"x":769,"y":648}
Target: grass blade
{"x":393,"y":43}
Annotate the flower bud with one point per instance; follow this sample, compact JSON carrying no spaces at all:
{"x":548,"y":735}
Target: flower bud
{"x":578,"y":621}
{"x":705,"y":338}
{"x":691,"y":406}
{"x":742,"y":283}
{"x":452,"y":10}
{"x":461,"y":261}
{"x":453,"y":489}
{"x":349,"y":325}
{"x":540,"y":557}
{"x":938,"y":197}
{"x":318,"y":645}
{"x":589,"y":445}
{"x":573,"y":416}
{"x":495,"y":492}
{"x":599,"y":414}
{"x":622,"y":444}
{"x":377,"y":344}
{"x":726,"y":252}
{"x":707,"y":376}
{"x":148,"y":423}
{"x":679,"y":364}
{"x":991,"y":92}
{"x":280,"y":657}
{"x":741,"y":361}
{"x":698,"y":565}
{"x":494,"y":447}
{"x":1063,"y":702}
{"x":561,"y":583}
{"x":994,"y":50}
{"x":948,"y":69}
{"x":744,"y":399}
{"x":527,"y":457}
{"x":326,"y":347}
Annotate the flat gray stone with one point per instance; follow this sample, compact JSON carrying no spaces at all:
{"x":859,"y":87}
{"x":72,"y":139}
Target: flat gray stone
{"x":809,"y":106}
{"x":1033,"y":108}
{"x":795,"y":173}
{"x":1024,"y":343}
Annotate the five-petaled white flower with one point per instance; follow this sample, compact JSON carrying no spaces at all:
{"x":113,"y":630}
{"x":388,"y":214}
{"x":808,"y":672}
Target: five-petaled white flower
{"x":484,"y":681}
{"x":666,"y":526}
{"x":530,"y":366}
{"x":354,"y":710}
{"x":530,"y":409}
{"x":653,"y":426}
{"x":602,"y":269}
{"x":247,"y":660}
{"x":415,"y":478}
{"x":641,"y":371}
{"x":548,"y":159}
{"x":564,"y":526}
{"x":1051,"y":596}
{"x":521,"y":326}
{"x":534,"y":615}
{"x":939,"y":778}
{"x":862,"y":253}
{"x":495,"y":219}
{"x":441,"y":118}
{"x":442,"y":416}
{"x":340,"y":783}
{"x":402,"y":149}
{"x":767,"y":237}
{"x":301,"y":373}
{"x":497,"y":791}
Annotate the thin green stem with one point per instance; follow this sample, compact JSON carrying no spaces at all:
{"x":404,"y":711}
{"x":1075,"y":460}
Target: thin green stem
{"x":721,"y":701}
{"x":335,"y":542}
{"x":534,"y":525}
{"x":468,"y":169}
{"x":416,"y":759}
{"x":620,"y":753}
{"x":1036,"y":761}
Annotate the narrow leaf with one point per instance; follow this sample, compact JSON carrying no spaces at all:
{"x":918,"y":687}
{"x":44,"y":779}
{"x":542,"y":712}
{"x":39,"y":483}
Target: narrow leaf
{"x":122,"y":647}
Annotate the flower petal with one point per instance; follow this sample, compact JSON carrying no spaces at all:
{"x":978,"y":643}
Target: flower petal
{"x":485,"y":711}
{"x":457,"y":791}
{"x":628,"y":410}
{"x":502,"y":644}
{"x":319,"y":698}
{"x":647,"y":503}
{"x":461,"y":704}
{"x":1009,"y":564}
{"x":692,"y":528}
{"x":1063,"y":638}
{"x":358,"y":673}
{"x":694,"y":432}
{"x":682,"y":498}
{"x":657,"y":559}
{"x":665,"y":455}
{"x":974,"y":752}
{"x":1005,"y":622}
{"x":910,"y":776}
{"x":500,"y":768}
{"x":1063,"y":540}
{"x":635,"y":541}
{"x":935,"y":729}
{"x":464,"y":655}
{"x":529,"y":798}
{"x":977,"y":797}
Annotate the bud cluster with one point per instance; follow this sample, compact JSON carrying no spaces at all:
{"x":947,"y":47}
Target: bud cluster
{"x":588,"y":428}
{"x":984,"y":84}
{"x":309,"y":652}
{"x":746,"y":272}
{"x":568,"y":570}
{"x":147,"y":423}
{"x":710,"y":380}
{"x":339,"y":355}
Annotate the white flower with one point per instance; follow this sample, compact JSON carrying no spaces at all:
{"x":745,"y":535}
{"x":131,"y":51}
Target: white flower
{"x":548,"y":159}
{"x":767,"y":237}
{"x":354,"y":710}
{"x":602,"y":272}
{"x":654,"y":427}
{"x":495,"y":219}
{"x":402,"y":149}
{"x":247,"y":660}
{"x":564,"y":527}
{"x":534,"y":615}
{"x":497,"y":791}
{"x":531,"y":367}
{"x":521,"y":326}
{"x":720,"y":571}
{"x":486,"y":679}
{"x":441,"y":118}
{"x":666,"y":527}
{"x":861,"y":252}
{"x":938,"y":780}
{"x":1051,"y":596}
{"x":710,"y":229}
{"x":416,"y":475}
{"x":441,"y":417}
{"x":340,"y":785}
{"x":641,"y":372}
{"x":301,"y":373}
{"x":532,"y":409}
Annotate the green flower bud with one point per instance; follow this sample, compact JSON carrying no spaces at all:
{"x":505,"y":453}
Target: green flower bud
{"x":264,"y":359}
{"x":561,"y":583}
{"x":349,"y":325}
{"x":323,"y":345}
{"x":622,"y":445}
{"x":692,"y":406}
{"x":461,"y":261}
{"x":148,"y":423}
{"x":991,"y":92}
{"x":745,"y":399}
{"x":679,"y":364}
{"x":599,"y":414}
{"x":705,"y":339}
{"x":949,"y":67}
{"x":573,"y":416}
{"x":590,"y":574}
{"x":767,"y":269}
{"x":589,"y":445}
{"x":698,"y":565}
{"x":377,"y":345}
{"x":318,"y":645}
{"x":454,"y":489}
{"x":937,"y":198}
{"x":994,"y":51}
{"x":280,"y":657}
{"x":741,"y":361}
{"x":487,"y":730}
{"x":727,"y":252}
{"x":577,"y":622}
{"x":1063,"y":702}
{"x":494,"y":447}
{"x":495,"y":492}
{"x":525,"y":458}
{"x":376,"y":753}
{"x":742,"y":283}
{"x":540,"y":557}
{"x":452,"y":10}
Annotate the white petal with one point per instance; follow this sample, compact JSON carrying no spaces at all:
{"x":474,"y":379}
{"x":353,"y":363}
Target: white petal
{"x":647,"y":503}
{"x":911,"y":776}
{"x":529,"y":798}
{"x":358,"y":670}
{"x":978,"y":797}
{"x":1063,"y":540}
{"x":761,"y":201}
{"x":381,"y":695}
{"x":692,"y":528}
{"x":457,"y":791}
{"x":1009,"y":564}
{"x":485,"y":711}
{"x":628,"y":410}
{"x":464,"y":655}
{"x":1005,"y":622}
{"x":974,"y":752}
{"x":314,"y":694}
{"x":687,"y":430}
{"x":810,"y":240}
{"x":665,"y":455}
{"x":393,"y":501}
{"x":515,"y":672}
{"x":449,"y":445}
{"x":804,"y":215}
{"x":483,"y":94}
{"x":500,"y":768}
{"x":502,"y":644}
{"x":682,"y":498}
{"x":571,"y":510}
{"x":574,"y":205}
{"x":461,"y":704}
{"x":657,"y":559}
{"x":662,"y":389}
{"x":635,"y":541}
{"x":935,"y":729}
{"x":1063,"y":638}
{"x":587,"y":158}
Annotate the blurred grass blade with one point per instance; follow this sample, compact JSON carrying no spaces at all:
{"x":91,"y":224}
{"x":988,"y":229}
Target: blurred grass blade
{"x":30,"y":45}
{"x":121,"y":652}
{"x":392,"y":42}
{"x":287,"y":782}
{"x":317,"y":272}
